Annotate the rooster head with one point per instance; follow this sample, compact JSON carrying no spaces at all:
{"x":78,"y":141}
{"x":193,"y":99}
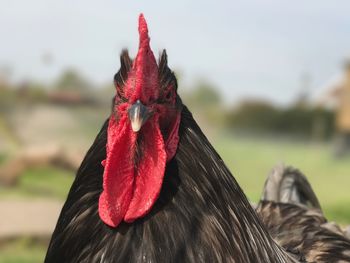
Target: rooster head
{"x":142,"y":134}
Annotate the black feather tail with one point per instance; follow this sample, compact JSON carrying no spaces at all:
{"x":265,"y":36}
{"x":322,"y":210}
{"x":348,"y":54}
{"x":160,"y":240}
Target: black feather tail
{"x":289,"y":185}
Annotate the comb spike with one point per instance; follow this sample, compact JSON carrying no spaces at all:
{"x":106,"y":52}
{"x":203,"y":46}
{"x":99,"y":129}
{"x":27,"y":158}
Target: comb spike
{"x":143,"y":81}
{"x":143,"y":32}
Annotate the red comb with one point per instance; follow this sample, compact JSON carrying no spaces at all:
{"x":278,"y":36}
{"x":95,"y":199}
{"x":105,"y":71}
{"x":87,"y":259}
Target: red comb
{"x":142,"y":83}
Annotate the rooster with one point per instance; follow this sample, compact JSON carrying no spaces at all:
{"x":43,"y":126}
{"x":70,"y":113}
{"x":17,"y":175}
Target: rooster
{"x":292,"y":213}
{"x":152,"y":188}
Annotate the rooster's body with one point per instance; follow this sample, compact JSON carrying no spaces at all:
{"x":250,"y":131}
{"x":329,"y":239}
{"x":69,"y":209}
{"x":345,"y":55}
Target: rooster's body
{"x":200,"y":213}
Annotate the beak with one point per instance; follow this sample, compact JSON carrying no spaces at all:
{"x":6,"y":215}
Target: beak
{"x":138,"y":115}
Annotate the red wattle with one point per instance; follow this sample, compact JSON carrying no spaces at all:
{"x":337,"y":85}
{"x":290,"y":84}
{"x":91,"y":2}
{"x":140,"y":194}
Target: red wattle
{"x":118,"y":177}
{"x":150,"y":171}
{"x":173,"y":138}
{"x":130,"y":188}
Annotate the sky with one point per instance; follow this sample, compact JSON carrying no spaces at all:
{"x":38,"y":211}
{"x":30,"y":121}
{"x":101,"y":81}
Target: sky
{"x":246,"y":48}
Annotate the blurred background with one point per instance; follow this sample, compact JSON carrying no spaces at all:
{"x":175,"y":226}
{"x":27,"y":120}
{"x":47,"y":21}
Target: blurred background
{"x":268,"y":81}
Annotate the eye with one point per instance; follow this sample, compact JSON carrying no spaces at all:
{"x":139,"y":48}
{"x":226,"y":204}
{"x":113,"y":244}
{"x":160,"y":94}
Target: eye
{"x":168,"y":95}
{"x":122,"y":99}
{"x":120,"y":96}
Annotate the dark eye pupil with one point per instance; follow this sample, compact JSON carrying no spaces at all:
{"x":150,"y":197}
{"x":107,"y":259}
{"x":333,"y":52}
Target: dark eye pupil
{"x":121,"y":98}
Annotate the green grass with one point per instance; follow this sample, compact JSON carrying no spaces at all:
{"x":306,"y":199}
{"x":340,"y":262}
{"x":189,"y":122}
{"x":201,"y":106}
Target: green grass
{"x":41,"y":182}
{"x":251,"y":160}
{"x":2,"y":158}
{"x":22,"y":251}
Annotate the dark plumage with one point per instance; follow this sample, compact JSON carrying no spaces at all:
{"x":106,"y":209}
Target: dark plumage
{"x":291,"y":212}
{"x":201,"y":214}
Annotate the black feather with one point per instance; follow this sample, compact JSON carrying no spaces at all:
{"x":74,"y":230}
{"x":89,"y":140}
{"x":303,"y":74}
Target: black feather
{"x":289,"y":185}
{"x":291,"y":212}
{"x":167,"y":76}
{"x":121,"y":76}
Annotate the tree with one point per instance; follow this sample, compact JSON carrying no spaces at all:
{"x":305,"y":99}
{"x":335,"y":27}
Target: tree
{"x":72,"y":80}
{"x":204,"y":95}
